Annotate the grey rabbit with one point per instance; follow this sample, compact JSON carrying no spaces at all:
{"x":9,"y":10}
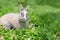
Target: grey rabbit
{"x":14,"y":20}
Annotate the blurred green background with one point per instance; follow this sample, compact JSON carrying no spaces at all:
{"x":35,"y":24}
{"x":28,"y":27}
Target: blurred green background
{"x":45,"y":14}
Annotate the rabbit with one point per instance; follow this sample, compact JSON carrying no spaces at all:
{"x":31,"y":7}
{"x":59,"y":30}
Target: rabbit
{"x":14,"y":20}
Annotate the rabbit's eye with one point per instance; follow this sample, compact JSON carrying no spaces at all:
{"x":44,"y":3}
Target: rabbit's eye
{"x":22,"y":14}
{"x":27,"y":14}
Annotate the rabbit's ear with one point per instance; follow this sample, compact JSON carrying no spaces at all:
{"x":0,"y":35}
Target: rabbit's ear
{"x":27,"y":7}
{"x":21,"y":7}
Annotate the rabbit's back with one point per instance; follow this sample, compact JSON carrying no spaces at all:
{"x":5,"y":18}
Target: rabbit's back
{"x":10,"y":18}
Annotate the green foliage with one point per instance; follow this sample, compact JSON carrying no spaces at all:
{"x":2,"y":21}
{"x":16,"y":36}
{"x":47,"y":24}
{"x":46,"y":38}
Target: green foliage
{"x":45,"y":14}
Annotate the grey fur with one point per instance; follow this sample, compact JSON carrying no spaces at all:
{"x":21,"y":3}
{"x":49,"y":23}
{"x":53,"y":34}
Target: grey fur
{"x":13,"y":20}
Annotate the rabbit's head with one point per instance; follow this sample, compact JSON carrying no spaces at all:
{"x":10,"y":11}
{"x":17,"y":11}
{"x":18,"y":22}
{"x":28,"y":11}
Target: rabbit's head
{"x":23,"y":13}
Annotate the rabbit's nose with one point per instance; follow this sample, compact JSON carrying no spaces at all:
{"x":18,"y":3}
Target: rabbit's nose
{"x":24,"y":18}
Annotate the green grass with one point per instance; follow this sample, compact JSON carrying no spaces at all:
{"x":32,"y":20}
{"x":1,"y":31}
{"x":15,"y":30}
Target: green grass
{"x":45,"y":14}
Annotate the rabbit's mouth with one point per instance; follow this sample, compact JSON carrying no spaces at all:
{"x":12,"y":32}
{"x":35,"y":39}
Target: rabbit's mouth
{"x":22,"y":20}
